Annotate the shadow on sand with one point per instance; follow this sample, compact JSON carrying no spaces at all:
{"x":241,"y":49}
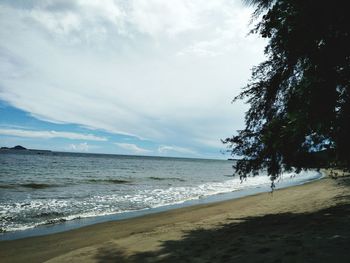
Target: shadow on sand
{"x":322,"y":236}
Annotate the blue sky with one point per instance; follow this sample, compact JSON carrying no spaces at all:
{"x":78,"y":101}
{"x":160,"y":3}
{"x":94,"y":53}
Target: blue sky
{"x":148,"y":77}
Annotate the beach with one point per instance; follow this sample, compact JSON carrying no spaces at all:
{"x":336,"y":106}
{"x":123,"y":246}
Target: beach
{"x":305,"y":223}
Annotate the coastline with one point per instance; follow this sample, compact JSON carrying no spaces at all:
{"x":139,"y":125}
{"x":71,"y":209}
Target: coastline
{"x":244,"y":228}
{"x":67,"y":225}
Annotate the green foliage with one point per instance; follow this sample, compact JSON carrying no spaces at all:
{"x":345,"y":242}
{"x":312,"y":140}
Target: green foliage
{"x":299,"y":97}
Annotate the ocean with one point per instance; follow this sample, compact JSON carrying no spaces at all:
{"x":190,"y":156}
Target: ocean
{"x":52,"y":188}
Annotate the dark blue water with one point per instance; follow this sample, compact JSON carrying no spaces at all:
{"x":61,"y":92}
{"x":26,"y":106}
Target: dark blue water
{"x":52,"y":188}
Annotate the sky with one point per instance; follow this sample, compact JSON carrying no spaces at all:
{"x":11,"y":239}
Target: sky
{"x":143,"y":77}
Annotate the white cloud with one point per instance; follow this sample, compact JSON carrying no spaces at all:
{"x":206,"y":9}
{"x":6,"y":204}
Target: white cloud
{"x":50,"y":134}
{"x":133,"y":148}
{"x":81,"y":147}
{"x":165,"y":149}
{"x":158,"y":17}
{"x":155,"y":69}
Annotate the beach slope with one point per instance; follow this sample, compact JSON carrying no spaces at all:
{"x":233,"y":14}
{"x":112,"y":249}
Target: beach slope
{"x":307,"y":223}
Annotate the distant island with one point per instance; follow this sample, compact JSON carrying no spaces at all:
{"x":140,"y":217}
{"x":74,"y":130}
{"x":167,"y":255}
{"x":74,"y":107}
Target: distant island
{"x":21,"y":149}
{"x":17,"y":147}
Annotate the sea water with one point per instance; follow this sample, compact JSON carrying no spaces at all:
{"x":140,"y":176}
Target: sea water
{"x":53,"y":188}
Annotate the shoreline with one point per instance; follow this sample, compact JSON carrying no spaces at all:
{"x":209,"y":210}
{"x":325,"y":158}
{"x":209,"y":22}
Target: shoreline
{"x":164,"y":236}
{"x":48,"y":229}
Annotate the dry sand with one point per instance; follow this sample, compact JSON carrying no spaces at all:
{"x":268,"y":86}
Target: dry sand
{"x":307,"y":223}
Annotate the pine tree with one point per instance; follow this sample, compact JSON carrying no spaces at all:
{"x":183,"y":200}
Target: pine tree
{"x":300,"y":96}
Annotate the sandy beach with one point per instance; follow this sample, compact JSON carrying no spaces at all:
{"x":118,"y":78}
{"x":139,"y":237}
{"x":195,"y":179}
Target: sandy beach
{"x":307,"y":223}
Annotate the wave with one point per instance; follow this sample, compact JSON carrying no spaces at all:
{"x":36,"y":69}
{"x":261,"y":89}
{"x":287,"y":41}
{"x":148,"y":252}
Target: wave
{"x":54,"y":221}
{"x":37,"y":185}
{"x":167,"y":178}
{"x":112,"y":181}
{"x":49,"y":214}
{"x":7,"y":186}
{"x":28,"y":185}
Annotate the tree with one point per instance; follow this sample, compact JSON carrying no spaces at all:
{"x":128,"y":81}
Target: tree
{"x":300,"y":96}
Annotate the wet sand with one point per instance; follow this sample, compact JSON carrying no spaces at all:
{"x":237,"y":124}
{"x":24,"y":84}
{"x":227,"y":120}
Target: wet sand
{"x":307,"y":223}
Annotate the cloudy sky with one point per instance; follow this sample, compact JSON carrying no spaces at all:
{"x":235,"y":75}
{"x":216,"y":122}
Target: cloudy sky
{"x":146,"y":77}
